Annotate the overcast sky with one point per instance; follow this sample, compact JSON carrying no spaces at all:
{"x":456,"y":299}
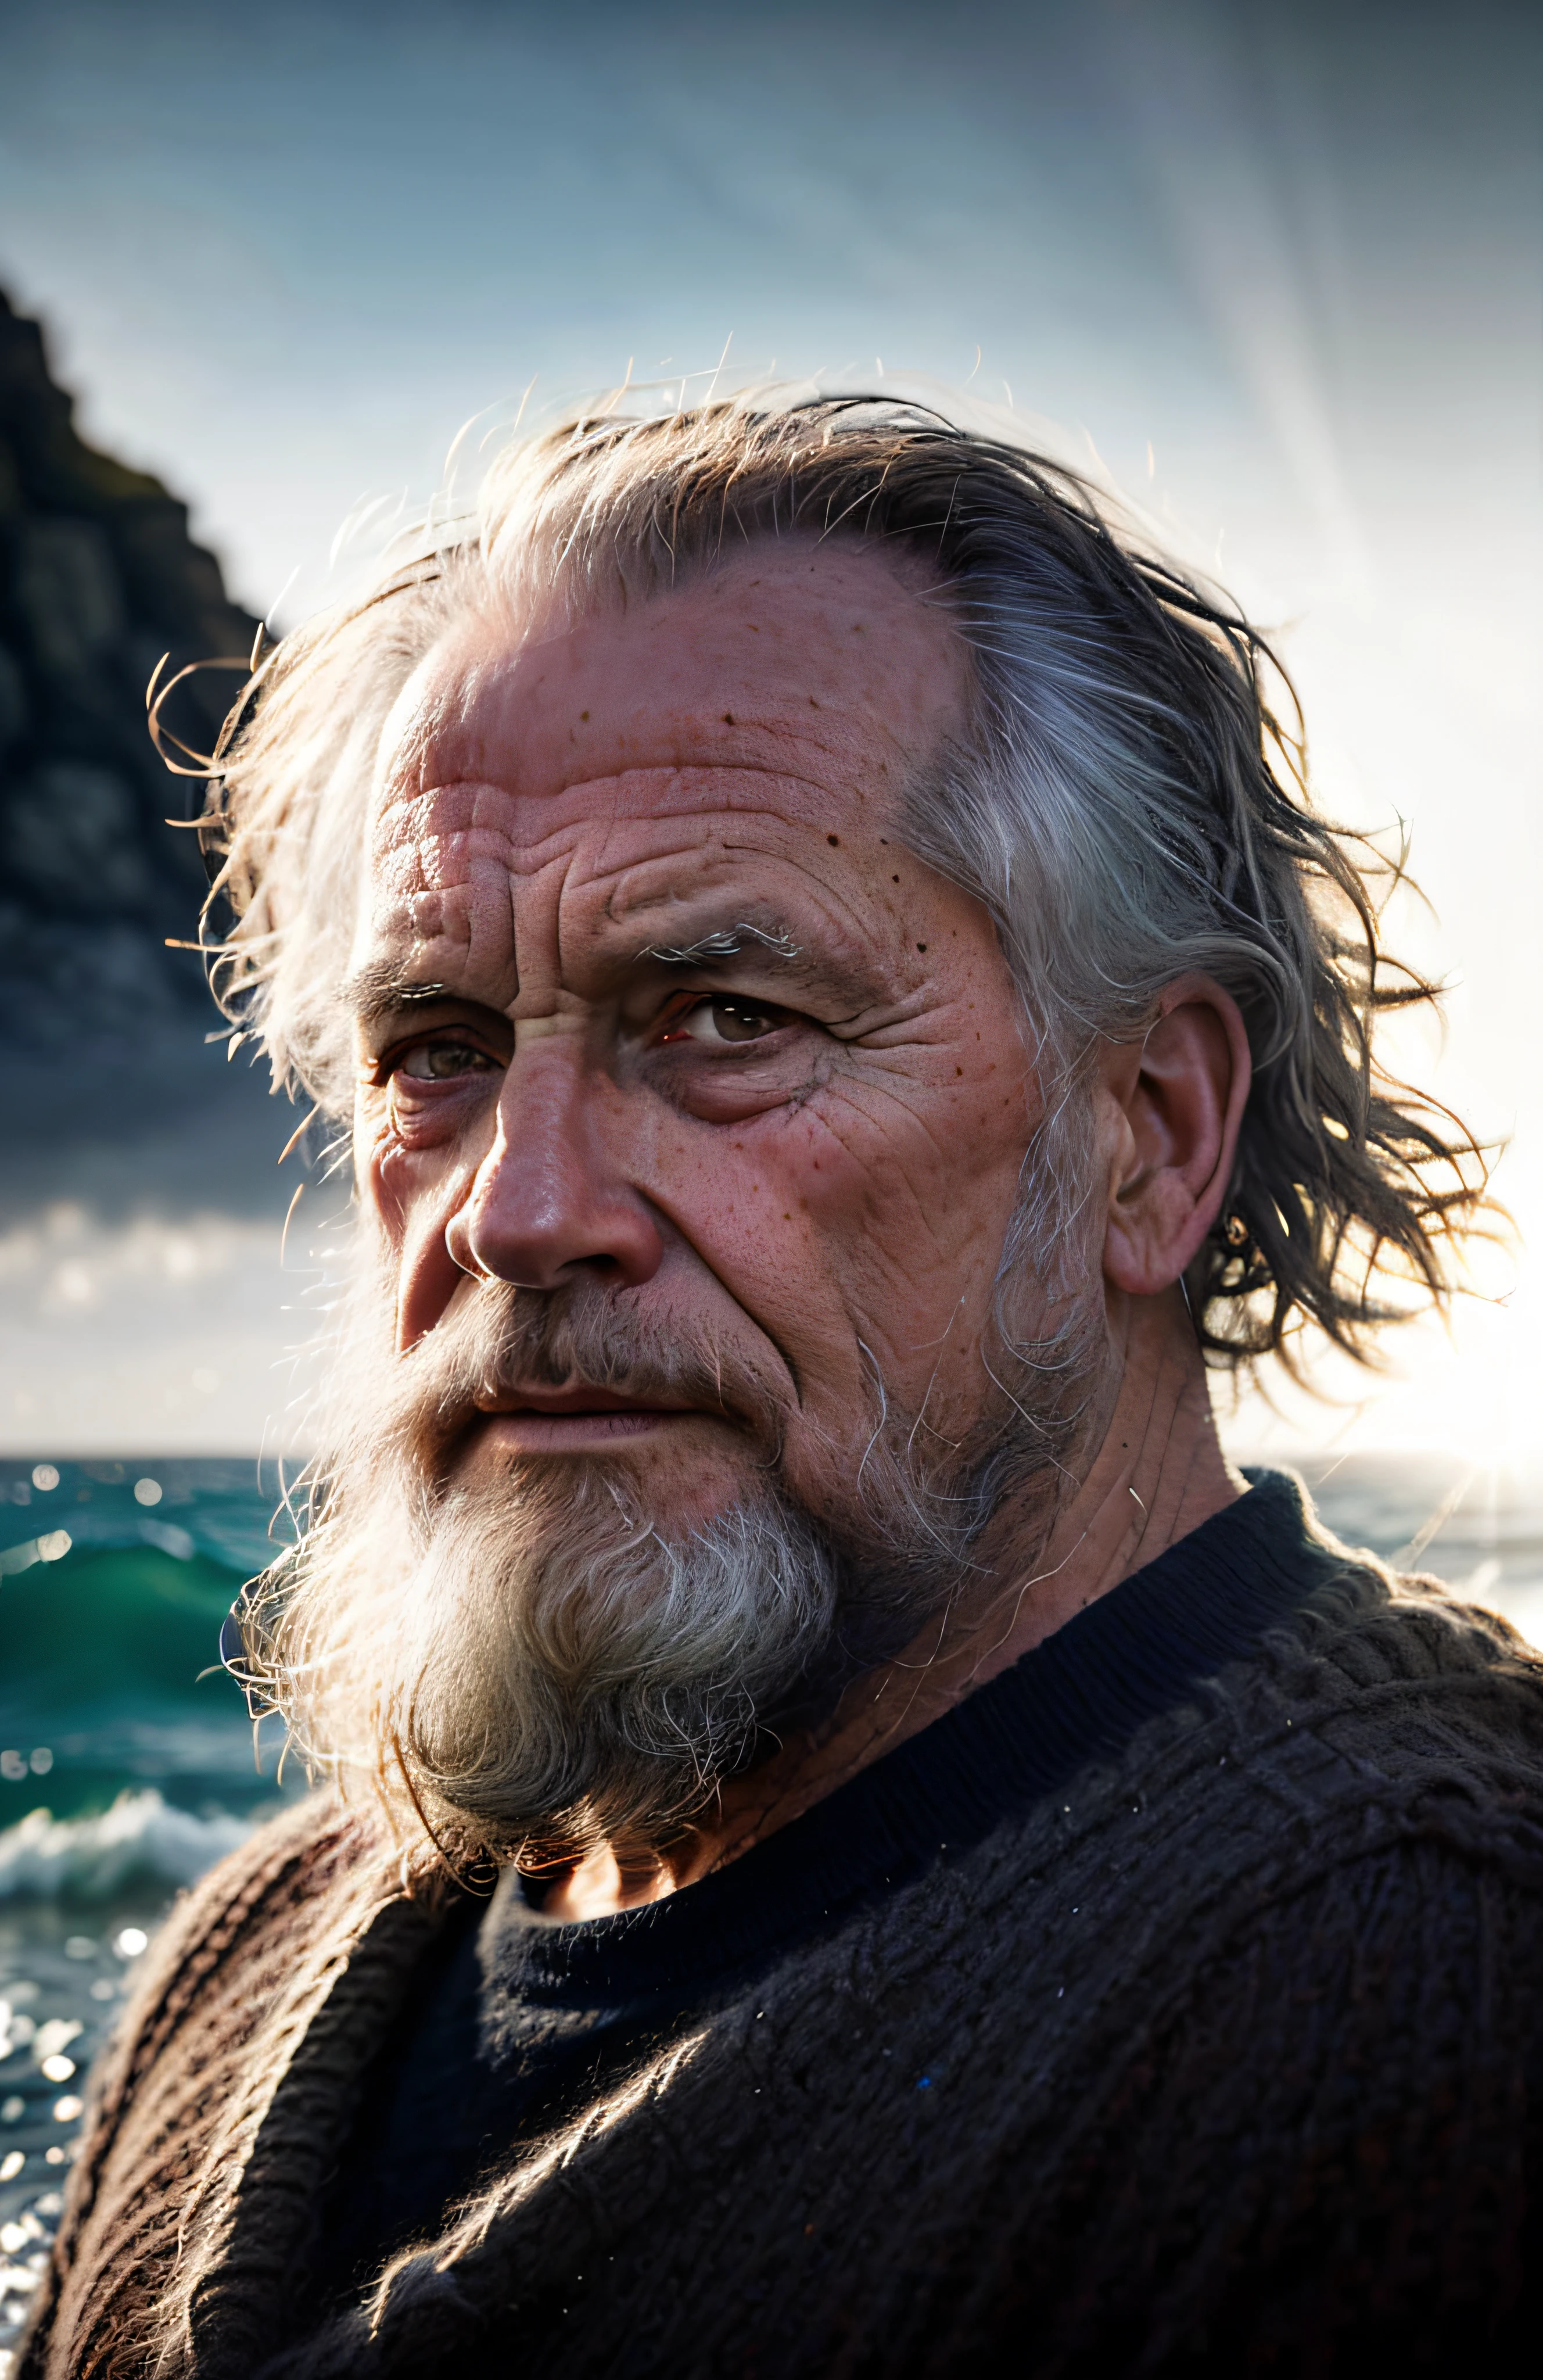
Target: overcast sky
{"x":1277,"y":268}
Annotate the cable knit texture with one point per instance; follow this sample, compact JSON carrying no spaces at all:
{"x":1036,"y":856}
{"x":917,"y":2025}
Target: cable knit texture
{"x":1225,"y":2059}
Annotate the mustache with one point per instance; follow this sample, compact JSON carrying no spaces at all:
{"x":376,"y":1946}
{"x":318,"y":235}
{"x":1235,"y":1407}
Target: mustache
{"x":500,"y":1340}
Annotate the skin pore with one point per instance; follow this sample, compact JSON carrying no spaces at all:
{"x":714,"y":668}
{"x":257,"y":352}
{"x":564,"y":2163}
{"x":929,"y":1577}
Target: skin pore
{"x":648,"y":990}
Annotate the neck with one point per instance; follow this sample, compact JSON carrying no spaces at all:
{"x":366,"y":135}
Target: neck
{"x":1155,"y":1472}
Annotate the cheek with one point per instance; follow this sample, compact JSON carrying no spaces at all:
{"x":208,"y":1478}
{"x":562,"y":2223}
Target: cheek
{"x":406,"y":1151}
{"x":861,"y":1221}
{"x":376,"y":1170}
{"x":390,"y":1175}
{"x":916,"y":1176}
{"x":741,"y":1201}
{"x":920,"y":1215}
{"x":409,"y":1195}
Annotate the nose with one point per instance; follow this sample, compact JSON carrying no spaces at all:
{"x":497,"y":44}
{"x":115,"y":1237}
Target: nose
{"x":552,"y":1195}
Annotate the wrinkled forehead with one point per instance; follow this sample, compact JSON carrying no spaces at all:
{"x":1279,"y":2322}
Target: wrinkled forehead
{"x":831,"y":668}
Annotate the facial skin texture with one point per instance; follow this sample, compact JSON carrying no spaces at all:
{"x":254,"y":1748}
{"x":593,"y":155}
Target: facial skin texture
{"x":650,"y":994}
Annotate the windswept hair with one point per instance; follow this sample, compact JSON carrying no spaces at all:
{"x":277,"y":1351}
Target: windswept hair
{"x":1128,"y":800}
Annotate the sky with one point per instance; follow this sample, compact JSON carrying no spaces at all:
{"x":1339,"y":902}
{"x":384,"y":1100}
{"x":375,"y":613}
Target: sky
{"x":1273,"y":273}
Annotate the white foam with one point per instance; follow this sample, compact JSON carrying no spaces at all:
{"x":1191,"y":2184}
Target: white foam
{"x":141,"y":1837}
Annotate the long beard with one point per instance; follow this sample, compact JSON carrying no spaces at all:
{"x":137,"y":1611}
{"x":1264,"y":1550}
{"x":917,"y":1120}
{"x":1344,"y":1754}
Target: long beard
{"x":531,"y":1662}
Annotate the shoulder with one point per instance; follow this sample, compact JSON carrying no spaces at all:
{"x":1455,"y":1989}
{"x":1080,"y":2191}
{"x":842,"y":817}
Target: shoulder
{"x":1377,"y":1770}
{"x":256,"y":1909}
{"x":1395,"y":1696}
{"x":1338,"y":1840}
{"x":1380,"y":1712}
{"x":1353,"y":2044}
{"x":228,"y":1985}
{"x":1373,"y":1689}
{"x":1355,"y":1876}
{"x":1280,"y":1971}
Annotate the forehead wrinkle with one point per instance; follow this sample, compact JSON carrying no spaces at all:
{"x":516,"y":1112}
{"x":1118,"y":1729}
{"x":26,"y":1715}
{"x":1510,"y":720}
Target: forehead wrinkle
{"x":710,"y":787}
{"x":667,"y":876}
{"x":441,"y":878}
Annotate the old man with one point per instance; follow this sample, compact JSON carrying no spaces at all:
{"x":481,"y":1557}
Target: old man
{"x":851,"y":1840}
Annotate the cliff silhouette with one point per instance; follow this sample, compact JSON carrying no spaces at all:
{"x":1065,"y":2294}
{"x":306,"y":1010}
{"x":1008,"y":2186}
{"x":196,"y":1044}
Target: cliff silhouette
{"x":111,"y":1095}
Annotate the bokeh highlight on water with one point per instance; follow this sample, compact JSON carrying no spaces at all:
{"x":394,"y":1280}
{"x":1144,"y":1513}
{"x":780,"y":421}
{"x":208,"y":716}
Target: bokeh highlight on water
{"x":127,"y":1762}
{"x":127,"y":1767}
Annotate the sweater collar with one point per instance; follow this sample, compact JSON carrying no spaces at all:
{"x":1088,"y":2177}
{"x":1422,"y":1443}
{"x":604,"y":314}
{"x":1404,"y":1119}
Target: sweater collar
{"x":1079,"y":1696}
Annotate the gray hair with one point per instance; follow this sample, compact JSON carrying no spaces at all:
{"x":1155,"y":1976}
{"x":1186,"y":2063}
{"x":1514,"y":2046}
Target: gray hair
{"x":532,"y":1665}
{"x":1124,"y":801}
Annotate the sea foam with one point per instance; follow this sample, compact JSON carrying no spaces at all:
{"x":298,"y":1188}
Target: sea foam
{"x":141,"y":1839}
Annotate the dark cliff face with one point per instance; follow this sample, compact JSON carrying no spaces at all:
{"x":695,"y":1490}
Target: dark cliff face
{"x":102,"y":1025}
{"x":98,"y":578}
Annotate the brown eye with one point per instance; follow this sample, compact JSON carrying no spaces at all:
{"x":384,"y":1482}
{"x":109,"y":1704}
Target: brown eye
{"x":717,"y":1022}
{"x":441,"y":1062}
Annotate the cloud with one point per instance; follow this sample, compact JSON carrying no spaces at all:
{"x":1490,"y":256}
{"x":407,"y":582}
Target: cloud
{"x":155,"y":1336}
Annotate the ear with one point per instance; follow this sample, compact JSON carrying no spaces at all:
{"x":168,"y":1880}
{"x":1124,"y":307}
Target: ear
{"x":1178,"y":1098}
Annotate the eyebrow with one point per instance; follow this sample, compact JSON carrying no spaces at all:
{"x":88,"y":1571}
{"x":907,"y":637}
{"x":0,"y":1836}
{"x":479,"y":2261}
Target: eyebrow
{"x":382,"y":989}
{"x":846,"y":977}
{"x":723,"y":942}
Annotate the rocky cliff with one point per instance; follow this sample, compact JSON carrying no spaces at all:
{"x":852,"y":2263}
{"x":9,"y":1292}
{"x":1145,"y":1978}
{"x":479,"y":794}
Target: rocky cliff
{"x":101,"y":1026}
{"x":98,"y":577}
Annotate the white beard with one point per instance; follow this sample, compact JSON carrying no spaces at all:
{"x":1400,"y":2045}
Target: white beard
{"x":530,"y":1658}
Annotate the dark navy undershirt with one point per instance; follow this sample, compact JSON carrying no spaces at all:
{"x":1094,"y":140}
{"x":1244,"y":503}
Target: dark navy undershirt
{"x":513,"y":2020}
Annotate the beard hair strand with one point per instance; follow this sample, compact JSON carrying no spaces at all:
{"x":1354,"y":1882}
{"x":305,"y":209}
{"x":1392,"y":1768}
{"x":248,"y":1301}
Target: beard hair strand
{"x":528,"y":1664}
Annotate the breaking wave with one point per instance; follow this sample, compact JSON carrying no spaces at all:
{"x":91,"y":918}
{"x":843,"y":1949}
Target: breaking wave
{"x":141,"y":1841}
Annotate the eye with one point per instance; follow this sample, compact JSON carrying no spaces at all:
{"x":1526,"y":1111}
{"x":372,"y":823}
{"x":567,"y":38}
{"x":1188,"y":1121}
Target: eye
{"x":441,"y":1062}
{"x":718,"y":1022}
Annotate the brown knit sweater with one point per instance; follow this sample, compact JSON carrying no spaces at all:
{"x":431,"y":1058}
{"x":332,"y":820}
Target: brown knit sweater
{"x":1232,"y":2049}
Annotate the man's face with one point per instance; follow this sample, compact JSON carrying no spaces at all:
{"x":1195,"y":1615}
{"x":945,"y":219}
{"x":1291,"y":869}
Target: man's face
{"x":657,"y":1017}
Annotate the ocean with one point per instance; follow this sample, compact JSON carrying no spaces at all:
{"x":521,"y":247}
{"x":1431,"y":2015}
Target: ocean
{"x":127,"y":1767}
{"x":127,"y":1763}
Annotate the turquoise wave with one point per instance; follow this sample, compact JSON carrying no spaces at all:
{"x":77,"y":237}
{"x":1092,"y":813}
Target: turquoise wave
{"x":110,"y":1609}
{"x":114,"y":1578}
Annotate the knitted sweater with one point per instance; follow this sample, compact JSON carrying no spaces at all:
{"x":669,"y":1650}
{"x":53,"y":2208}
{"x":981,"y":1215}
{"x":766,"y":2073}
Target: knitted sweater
{"x":1225,"y":2056}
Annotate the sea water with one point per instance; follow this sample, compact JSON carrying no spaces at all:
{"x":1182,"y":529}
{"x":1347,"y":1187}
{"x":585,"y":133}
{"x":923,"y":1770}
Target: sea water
{"x":127,"y":1763}
{"x":127,"y":1767}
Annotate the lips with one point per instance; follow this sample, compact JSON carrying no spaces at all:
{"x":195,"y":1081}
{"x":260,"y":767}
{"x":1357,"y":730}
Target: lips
{"x":577,"y":1420}
{"x":582,"y":1399}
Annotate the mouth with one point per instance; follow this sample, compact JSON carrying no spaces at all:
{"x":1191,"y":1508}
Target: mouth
{"x":574,"y":1420}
